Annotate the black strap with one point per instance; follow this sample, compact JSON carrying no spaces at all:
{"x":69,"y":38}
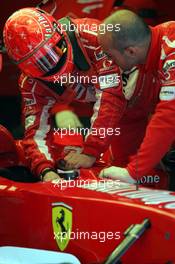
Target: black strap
{"x":78,"y":55}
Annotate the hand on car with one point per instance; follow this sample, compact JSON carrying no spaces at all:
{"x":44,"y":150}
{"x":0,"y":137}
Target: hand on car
{"x":117,"y":173}
{"x":50,"y":176}
{"x":77,"y":160}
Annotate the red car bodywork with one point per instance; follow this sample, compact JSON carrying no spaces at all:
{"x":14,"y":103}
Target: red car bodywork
{"x":26,"y":218}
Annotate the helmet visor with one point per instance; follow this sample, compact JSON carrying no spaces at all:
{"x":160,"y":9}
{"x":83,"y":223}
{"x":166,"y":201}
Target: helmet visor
{"x":48,"y":58}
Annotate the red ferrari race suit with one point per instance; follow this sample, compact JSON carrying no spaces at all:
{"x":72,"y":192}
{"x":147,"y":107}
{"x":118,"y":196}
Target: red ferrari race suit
{"x":41,"y":97}
{"x":153,"y":86}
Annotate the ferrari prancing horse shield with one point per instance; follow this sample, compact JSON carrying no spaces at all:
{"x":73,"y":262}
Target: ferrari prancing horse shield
{"x":62,"y":224}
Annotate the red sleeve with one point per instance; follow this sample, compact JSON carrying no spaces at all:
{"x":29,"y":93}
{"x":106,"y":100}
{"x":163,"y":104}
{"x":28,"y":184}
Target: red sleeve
{"x":160,"y":134}
{"x":108,"y":110}
{"x":37,"y":105}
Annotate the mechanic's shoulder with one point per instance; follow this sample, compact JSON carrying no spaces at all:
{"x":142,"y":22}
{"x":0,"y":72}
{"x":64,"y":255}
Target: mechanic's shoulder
{"x":168,"y":27}
{"x":167,"y":42}
{"x":167,"y":30}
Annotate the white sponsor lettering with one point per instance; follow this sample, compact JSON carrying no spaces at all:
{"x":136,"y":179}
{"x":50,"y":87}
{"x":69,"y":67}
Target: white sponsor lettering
{"x":149,"y":196}
{"x":150,"y":179}
{"x":163,"y":54}
{"x":169,"y":43}
{"x":146,"y":196}
{"x":167,"y":93}
{"x":29,"y":121}
{"x":109,"y":81}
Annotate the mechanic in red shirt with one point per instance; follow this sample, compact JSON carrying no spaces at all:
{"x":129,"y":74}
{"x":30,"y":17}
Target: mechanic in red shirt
{"x":146,"y":57}
{"x":45,"y":52}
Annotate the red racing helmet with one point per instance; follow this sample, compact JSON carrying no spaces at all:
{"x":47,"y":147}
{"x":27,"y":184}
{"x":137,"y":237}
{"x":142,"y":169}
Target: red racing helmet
{"x":36,"y":42}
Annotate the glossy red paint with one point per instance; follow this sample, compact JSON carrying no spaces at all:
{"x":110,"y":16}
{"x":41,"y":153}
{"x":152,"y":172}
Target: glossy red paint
{"x":26,"y":218}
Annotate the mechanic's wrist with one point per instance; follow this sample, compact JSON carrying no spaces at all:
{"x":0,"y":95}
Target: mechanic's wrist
{"x":129,"y":178}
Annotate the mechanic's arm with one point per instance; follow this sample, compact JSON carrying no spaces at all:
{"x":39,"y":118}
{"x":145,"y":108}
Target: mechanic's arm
{"x":108,"y":110}
{"x":160,"y":132}
{"x":159,"y":136}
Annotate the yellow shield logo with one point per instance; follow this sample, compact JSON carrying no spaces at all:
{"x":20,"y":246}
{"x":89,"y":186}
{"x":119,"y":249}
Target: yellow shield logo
{"x":62,"y":224}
